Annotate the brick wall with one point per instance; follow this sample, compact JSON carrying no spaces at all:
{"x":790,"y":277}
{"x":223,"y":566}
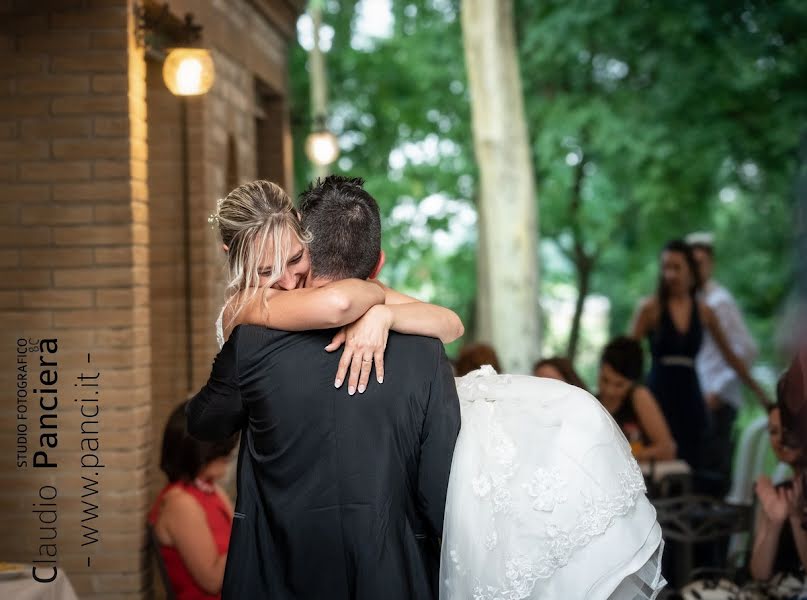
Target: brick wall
{"x":91,"y":248}
{"x":74,"y":247}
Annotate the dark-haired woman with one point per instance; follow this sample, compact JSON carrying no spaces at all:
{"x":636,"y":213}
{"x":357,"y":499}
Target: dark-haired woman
{"x":673,"y":320}
{"x":557,"y":367}
{"x":474,"y":356}
{"x":631,"y":404}
{"x":192,"y":516}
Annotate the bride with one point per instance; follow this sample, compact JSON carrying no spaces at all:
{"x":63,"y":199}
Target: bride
{"x":544,"y":498}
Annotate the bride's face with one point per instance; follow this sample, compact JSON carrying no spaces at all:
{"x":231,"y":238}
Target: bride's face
{"x":295,"y":271}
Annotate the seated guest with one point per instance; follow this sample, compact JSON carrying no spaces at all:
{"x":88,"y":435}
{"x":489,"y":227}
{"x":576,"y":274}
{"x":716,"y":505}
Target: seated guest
{"x":192,"y":516}
{"x":474,"y":356}
{"x":630,"y":403}
{"x":780,"y":540}
{"x":559,"y":368}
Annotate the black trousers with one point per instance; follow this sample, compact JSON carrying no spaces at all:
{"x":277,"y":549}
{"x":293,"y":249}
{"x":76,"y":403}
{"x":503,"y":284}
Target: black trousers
{"x":718,"y":449}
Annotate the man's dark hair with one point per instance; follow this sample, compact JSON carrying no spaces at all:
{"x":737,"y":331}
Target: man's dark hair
{"x":624,"y":355}
{"x":183,"y":456}
{"x":345,"y":226}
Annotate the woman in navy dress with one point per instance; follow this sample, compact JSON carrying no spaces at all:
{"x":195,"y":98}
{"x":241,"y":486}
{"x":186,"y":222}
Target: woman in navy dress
{"x":673,"y":320}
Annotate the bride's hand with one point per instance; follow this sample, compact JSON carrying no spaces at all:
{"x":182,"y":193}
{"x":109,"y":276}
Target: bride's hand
{"x":365,"y":342}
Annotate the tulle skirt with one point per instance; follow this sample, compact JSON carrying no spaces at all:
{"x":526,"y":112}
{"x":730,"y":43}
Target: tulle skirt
{"x":545,"y":499}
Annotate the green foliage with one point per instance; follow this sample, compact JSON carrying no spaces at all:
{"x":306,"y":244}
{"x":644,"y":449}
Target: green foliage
{"x":409,"y":88}
{"x":666,"y":105}
{"x":679,"y":116}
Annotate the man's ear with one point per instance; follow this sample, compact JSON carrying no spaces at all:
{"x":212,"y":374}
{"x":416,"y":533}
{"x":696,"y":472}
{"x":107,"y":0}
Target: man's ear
{"x":378,"y":265}
{"x":225,"y":247}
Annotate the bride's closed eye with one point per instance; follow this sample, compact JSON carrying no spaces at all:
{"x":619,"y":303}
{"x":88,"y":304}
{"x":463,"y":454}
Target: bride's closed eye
{"x":294,"y":260}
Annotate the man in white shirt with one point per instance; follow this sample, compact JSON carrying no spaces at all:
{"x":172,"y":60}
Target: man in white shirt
{"x":722,"y":388}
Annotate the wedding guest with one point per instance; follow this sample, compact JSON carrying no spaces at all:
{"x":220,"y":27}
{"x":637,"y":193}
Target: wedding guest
{"x":630,"y":403}
{"x":792,"y":391}
{"x":674,"y":319}
{"x":473,"y":356}
{"x":192,"y":516}
{"x":780,"y":540}
{"x":720,"y":383}
{"x":557,"y":367}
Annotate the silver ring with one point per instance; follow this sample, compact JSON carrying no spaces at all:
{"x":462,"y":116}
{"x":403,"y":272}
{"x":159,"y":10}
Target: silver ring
{"x":366,"y":360}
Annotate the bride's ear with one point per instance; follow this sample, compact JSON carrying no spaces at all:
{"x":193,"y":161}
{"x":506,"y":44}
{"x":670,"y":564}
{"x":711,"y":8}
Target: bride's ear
{"x":225,"y":247}
{"x":378,"y":265}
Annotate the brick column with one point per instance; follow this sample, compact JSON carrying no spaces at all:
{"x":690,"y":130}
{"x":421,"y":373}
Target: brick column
{"x":74,"y":267}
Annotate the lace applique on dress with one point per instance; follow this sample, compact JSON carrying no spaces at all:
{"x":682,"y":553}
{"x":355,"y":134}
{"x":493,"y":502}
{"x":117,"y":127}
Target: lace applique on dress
{"x":560,"y":543}
{"x":558,"y":511}
{"x":548,"y":487}
{"x":481,"y":384}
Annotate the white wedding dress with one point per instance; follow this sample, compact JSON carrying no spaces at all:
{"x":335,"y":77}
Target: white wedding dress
{"x":545,"y":499}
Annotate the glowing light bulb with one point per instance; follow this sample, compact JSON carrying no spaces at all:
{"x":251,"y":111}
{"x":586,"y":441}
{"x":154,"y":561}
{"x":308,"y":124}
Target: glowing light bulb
{"x":188,"y":71}
{"x":189,"y":76}
{"x":322,"y":147}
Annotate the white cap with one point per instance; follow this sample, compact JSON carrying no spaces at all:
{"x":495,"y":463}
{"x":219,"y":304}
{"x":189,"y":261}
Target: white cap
{"x":701,"y":238}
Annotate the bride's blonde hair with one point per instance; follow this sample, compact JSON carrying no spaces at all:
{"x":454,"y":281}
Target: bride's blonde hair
{"x":249,"y":219}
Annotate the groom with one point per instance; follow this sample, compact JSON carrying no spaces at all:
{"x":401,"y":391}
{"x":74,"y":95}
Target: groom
{"x":338,"y":496}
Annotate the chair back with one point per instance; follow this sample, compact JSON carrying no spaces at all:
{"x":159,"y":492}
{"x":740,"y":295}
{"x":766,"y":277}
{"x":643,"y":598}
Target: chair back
{"x":696,"y":519}
{"x":154,"y":547}
{"x":691,"y":520}
{"x":751,"y":449}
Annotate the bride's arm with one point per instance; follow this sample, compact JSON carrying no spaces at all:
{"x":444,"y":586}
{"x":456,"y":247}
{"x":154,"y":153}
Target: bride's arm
{"x":367,"y":338}
{"x":333,"y":305}
{"x":409,"y":315}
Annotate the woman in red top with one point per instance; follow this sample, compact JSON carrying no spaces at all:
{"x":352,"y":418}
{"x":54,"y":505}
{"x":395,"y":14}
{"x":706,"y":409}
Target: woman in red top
{"x":192,"y":516}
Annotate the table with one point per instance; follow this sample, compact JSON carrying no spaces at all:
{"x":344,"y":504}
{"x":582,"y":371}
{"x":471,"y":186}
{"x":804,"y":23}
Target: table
{"x":25,"y":588}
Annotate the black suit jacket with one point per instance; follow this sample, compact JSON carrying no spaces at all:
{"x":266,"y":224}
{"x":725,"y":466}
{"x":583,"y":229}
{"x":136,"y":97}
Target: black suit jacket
{"x":338,"y":496}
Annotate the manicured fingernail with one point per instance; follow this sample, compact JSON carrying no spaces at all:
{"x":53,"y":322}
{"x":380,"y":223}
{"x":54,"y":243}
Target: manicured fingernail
{"x":351,"y":390}
{"x":362,"y":388}
{"x":380,"y":380}
{"x":337,"y":383}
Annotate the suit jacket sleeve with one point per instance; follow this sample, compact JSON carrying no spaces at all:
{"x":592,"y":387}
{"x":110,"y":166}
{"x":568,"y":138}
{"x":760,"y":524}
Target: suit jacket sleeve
{"x":217,"y":411}
{"x":440,"y":430}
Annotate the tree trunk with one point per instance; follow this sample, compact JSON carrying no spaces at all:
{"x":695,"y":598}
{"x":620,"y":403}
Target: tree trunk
{"x":582,"y":262}
{"x":483,"y":327}
{"x":507,"y":203}
{"x":584,"y":271}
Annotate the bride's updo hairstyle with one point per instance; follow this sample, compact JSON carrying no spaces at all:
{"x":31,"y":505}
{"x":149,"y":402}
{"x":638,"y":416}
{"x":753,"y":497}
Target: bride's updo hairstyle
{"x":251,"y":219}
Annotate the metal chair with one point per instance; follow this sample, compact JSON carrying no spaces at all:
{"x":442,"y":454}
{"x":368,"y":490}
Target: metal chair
{"x":154,"y":548}
{"x":693,"y":519}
